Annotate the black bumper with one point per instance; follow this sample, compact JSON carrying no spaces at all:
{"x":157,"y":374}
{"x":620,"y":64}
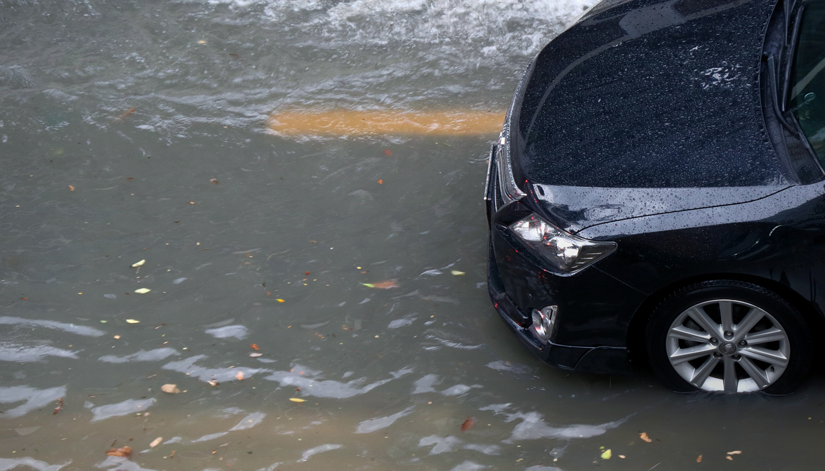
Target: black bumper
{"x":588,"y":359}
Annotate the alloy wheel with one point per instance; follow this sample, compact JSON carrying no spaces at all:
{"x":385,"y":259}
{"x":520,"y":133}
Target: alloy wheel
{"x":727,"y":345}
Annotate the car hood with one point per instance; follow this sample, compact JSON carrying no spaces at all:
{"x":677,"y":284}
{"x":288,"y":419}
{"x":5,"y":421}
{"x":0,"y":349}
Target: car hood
{"x":648,"y":94}
{"x":574,"y":209}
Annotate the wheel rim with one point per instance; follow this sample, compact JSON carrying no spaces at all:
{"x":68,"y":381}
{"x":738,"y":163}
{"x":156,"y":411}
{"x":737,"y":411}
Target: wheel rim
{"x":728,"y":345}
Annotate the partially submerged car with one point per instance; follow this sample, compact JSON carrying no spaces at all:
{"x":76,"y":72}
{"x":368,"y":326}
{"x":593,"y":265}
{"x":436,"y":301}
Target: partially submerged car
{"x":658,"y":184}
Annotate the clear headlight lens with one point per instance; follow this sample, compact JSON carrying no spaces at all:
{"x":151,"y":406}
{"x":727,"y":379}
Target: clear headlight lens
{"x":566,"y":252}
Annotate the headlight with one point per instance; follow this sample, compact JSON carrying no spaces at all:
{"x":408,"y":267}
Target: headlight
{"x":565,"y":252}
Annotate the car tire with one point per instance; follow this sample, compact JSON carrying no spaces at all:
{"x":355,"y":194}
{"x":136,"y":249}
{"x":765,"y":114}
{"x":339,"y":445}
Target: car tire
{"x":728,"y":336}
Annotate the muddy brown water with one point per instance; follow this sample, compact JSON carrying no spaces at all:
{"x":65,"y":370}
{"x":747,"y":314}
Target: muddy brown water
{"x":137,"y":131}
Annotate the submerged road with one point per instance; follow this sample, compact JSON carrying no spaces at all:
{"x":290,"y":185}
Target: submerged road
{"x":249,"y":234}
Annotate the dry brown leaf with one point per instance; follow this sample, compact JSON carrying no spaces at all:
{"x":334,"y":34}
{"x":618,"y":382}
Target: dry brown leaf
{"x":156,"y":442}
{"x":644,"y":437}
{"x":239,"y":376}
{"x":380,"y":182}
{"x":254,"y":346}
{"x":170,"y":388}
{"x":124,"y":452}
{"x":468,"y":424}
{"x":699,"y":459}
{"x":71,"y":188}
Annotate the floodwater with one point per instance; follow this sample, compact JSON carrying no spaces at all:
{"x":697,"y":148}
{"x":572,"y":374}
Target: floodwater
{"x":315,"y":292}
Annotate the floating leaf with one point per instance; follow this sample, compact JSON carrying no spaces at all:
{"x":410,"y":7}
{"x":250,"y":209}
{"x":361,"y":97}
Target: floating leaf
{"x":138,"y":264}
{"x":388,"y":152}
{"x":156,"y":442}
{"x":124,"y":452}
{"x":255,"y":355}
{"x":737,"y":452}
{"x":468,"y":424}
{"x":71,"y":188}
{"x":125,"y":115}
{"x":388,"y":284}
{"x":213,"y":181}
{"x":380,"y":182}
{"x":254,"y":346}
{"x":239,"y":376}
{"x":213,"y":383}
{"x":699,"y":459}
{"x":170,"y":388}
{"x":280,"y":300}
{"x":142,"y":290}
{"x":457,"y":273}
{"x":644,"y":437}
{"x":297,"y":399}
{"x":132,"y":321}
{"x":607,"y":454}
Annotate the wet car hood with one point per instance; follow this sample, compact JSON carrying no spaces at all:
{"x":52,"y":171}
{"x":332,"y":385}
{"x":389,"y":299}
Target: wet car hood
{"x":574,"y":209}
{"x":648,"y":94}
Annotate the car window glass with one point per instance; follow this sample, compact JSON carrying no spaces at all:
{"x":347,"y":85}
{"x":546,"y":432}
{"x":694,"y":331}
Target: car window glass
{"x":808,"y":92}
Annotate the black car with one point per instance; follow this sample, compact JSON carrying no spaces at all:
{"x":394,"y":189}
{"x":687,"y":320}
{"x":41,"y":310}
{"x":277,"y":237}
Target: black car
{"x":658,"y":186}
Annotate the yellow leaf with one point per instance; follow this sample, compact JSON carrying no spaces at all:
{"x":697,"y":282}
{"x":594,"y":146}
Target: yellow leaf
{"x":132,"y":321}
{"x":297,"y":399}
{"x":607,"y":454}
{"x":280,"y":300}
{"x":138,"y":264}
{"x":142,"y":290}
{"x":457,"y":273}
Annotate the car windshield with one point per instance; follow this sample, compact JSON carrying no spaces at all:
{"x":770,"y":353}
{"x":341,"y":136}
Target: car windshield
{"x":808,"y":92}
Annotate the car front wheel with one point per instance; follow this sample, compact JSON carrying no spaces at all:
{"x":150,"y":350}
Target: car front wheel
{"x":728,"y":336}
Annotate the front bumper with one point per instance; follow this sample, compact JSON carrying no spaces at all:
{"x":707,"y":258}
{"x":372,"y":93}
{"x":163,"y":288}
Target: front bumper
{"x":590,"y":333}
{"x":589,"y":359}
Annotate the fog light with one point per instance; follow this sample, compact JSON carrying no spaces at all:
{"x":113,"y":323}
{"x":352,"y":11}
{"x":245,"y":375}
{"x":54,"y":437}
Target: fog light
{"x":543,"y":322}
